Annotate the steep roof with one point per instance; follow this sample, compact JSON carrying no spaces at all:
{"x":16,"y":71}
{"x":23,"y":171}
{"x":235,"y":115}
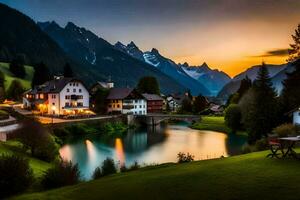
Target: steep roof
{"x":53,"y":86}
{"x":119,"y":93}
{"x":152,"y":97}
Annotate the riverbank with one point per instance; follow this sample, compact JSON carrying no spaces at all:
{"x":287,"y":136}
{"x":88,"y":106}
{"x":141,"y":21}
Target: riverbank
{"x":250,"y":176}
{"x":214,"y":123}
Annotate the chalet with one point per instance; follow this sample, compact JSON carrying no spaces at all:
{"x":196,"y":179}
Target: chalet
{"x":126,"y":101}
{"x":101,"y":85}
{"x":154,"y":103}
{"x":60,"y":96}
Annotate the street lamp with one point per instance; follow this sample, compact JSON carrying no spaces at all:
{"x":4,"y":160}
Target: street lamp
{"x":53,"y":108}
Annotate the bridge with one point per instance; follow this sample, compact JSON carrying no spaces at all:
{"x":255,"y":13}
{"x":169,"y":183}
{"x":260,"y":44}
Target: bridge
{"x":155,"y":119}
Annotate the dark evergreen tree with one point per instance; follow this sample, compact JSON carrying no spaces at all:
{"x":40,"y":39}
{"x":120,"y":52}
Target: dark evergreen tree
{"x":186,"y":106}
{"x":262,"y":117}
{"x":15,"y":90}
{"x":290,"y":95}
{"x":295,"y":47}
{"x":233,"y":117}
{"x":200,"y":104}
{"x":246,"y":84}
{"x":17,"y":68}
{"x":68,"y":72}
{"x":41,"y":75}
{"x":148,"y":84}
{"x":99,"y":101}
{"x":2,"y":87}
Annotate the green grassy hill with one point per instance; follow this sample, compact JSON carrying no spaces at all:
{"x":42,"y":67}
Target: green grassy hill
{"x":250,"y":176}
{"x":9,"y":77}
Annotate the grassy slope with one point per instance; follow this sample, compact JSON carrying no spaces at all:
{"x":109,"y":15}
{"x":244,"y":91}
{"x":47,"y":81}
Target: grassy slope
{"x":26,"y":82}
{"x":251,"y":176}
{"x":13,"y":147}
{"x":213,"y":123}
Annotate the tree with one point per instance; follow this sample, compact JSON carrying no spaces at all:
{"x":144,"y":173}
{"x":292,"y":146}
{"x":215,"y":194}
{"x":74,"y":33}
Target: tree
{"x":245,"y":85}
{"x":233,"y":117}
{"x":99,"y":101}
{"x":41,"y":74}
{"x":148,"y":84}
{"x":186,"y":106}
{"x":290,"y":95}
{"x":37,"y":140}
{"x":200,"y":104}
{"x":15,"y":90}
{"x":294,"y":52}
{"x":68,"y":72}
{"x":16,"y":175}
{"x":262,"y":115}
{"x":17,"y":68}
{"x":2,"y":87}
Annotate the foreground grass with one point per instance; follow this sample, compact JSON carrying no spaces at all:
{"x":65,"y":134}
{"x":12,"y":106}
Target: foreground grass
{"x":213,"y":123}
{"x":14,"y":147}
{"x":251,"y":176}
{"x":9,"y":77}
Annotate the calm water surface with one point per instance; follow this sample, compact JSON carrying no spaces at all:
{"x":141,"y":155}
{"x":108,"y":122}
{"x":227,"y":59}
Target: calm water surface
{"x":150,"y":147}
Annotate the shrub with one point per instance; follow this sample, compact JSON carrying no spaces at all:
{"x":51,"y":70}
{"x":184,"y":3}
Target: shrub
{"x":182,"y":157}
{"x":97,"y":173}
{"x":108,"y":167}
{"x":123,"y":168}
{"x":134,"y":166}
{"x":62,"y":174}
{"x":261,"y":144}
{"x":3,"y":115}
{"x":285,"y":130}
{"x":37,"y":139}
{"x":233,"y":117}
{"x":15,"y":175}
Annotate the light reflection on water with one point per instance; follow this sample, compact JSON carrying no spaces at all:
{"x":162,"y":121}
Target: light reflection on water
{"x":157,"y":146}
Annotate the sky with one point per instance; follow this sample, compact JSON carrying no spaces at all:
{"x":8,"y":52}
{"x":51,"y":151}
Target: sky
{"x":229,"y":35}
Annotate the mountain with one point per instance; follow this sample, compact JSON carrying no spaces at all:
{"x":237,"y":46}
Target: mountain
{"x":277,"y":73}
{"x":214,"y":80}
{"x":21,"y":37}
{"x":165,"y":65}
{"x":100,"y":59}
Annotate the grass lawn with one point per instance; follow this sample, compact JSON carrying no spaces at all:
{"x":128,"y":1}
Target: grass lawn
{"x":213,"y":123}
{"x":14,"y":147}
{"x":250,"y":176}
{"x":26,"y":82}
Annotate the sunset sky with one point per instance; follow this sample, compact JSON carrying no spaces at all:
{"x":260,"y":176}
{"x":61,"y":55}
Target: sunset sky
{"x":230,"y":35}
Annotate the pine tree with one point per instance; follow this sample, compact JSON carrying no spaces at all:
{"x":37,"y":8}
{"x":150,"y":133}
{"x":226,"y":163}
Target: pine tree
{"x":200,"y":104}
{"x":245,"y":85}
{"x":2,"y":87}
{"x":68,"y":72}
{"x":262,"y":117}
{"x":290,"y":95}
{"x":41,"y":74}
{"x":148,"y":84}
{"x":295,"y":47}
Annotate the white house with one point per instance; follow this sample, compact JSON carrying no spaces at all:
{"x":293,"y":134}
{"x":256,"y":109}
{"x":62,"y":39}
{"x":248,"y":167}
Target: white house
{"x":60,"y":96}
{"x":126,"y":101}
{"x":296,"y":116}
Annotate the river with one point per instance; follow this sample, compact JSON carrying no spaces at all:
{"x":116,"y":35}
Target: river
{"x":150,"y":147}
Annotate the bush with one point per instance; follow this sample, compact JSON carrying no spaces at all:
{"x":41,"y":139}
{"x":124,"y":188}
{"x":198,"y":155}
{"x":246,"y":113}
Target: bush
{"x":285,"y":130}
{"x":108,"y":167}
{"x":123,"y":168}
{"x":15,"y":175}
{"x":261,"y":144}
{"x":233,"y":117}
{"x":3,"y":115}
{"x":62,"y":174}
{"x":37,"y":139}
{"x":182,"y":157}
{"x":97,"y":173}
{"x":134,"y":166}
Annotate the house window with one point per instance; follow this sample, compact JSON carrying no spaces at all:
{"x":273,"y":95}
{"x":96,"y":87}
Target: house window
{"x":67,"y":104}
{"x":134,"y":106}
{"x":136,"y":101}
{"x":80,"y":97}
{"x":70,"y":84}
{"x":79,"y":104}
{"x":53,"y":96}
{"x":140,"y":106}
{"x":53,"y":104}
{"x":118,"y":106}
{"x":68,"y":90}
{"x":80,"y":90}
{"x":77,"y":84}
{"x":74,"y":90}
